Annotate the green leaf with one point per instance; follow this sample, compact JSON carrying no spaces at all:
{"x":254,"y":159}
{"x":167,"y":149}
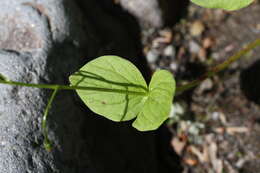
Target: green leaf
{"x":111,"y":73}
{"x":158,"y":104}
{"x":115,"y":89}
{"x":223,"y":4}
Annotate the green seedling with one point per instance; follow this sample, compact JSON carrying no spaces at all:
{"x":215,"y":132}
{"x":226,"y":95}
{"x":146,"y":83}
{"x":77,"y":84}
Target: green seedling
{"x":126,"y":95}
{"x":114,"y":88}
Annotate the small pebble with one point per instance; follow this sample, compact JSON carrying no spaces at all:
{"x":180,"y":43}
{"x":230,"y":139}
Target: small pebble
{"x":152,"y":56}
{"x":197,"y":28}
{"x":215,"y":115}
{"x":169,"y":51}
{"x":205,"y":85}
{"x":258,"y":27}
{"x":202,"y":55}
{"x":207,"y":43}
{"x":194,"y":47}
{"x":177,"y":110}
{"x":215,"y":56}
{"x":167,"y":35}
{"x":173,"y":66}
{"x":240,"y":163}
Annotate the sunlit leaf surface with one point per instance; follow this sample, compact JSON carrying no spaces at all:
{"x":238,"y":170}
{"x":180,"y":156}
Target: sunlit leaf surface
{"x":223,"y":4}
{"x":116,"y":89}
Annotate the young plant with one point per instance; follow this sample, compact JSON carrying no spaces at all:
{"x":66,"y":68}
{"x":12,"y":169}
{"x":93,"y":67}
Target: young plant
{"x":114,"y":88}
{"x":123,"y":94}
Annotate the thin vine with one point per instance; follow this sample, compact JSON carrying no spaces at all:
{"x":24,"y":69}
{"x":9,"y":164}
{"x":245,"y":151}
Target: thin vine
{"x":47,"y":143}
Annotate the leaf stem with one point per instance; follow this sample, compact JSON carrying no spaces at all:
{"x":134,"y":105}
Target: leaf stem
{"x":47,"y":142}
{"x":55,"y":88}
{"x":219,"y":67}
{"x":66,"y":87}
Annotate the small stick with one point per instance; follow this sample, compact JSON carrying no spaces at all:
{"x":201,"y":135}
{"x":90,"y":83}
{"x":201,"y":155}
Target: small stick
{"x":218,"y":68}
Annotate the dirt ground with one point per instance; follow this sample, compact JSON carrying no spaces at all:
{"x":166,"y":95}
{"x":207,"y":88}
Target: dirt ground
{"x":216,"y":126}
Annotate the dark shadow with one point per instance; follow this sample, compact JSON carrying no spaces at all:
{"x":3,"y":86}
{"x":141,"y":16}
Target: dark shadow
{"x":173,"y":10}
{"x":118,"y":32}
{"x":91,"y":143}
{"x":170,"y":161}
{"x":189,"y":72}
{"x":250,"y":82}
{"x":257,"y":120}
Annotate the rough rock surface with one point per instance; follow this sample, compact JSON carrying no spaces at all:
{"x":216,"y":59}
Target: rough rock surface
{"x":39,"y":44}
{"x":148,"y":12}
{"x":43,"y":41}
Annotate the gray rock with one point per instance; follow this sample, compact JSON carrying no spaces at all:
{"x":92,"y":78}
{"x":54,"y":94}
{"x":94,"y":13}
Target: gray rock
{"x":20,"y":117}
{"x":155,"y":13}
{"x":148,"y":12}
{"x":38,"y":42}
{"x":44,"y":41}
{"x":194,"y":47}
{"x":152,"y":56}
{"x":170,"y":51}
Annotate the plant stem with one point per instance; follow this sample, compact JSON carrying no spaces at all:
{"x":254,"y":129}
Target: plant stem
{"x":66,"y":87}
{"x":219,"y":67}
{"x":47,"y":142}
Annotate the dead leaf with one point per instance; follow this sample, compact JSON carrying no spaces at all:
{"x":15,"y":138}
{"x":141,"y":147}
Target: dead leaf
{"x":165,"y":37}
{"x":220,"y":130}
{"x":229,"y":167}
{"x":216,"y":163}
{"x":202,"y":156}
{"x":233,"y":130}
{"x":222,"y":118}
{"x":207,"y":43}
{"x":197,"y":28}
{"x":202,"y":54}
{"x":190,"y":162}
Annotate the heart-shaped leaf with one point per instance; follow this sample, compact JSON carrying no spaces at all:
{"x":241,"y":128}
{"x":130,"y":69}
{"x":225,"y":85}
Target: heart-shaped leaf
{"x":158,"y":104}
{"x":112,"y":74}
{"x":114,"y":88}
{"x":223,"y":4}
